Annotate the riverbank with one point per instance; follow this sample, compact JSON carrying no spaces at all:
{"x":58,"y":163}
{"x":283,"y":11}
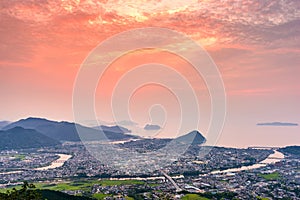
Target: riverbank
{"x":54,"y":164}
{"x":271,"y":159}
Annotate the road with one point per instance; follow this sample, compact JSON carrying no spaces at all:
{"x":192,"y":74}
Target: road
{"x":178,"y":189}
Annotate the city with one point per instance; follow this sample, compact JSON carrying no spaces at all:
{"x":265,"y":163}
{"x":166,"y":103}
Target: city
{"x":218,"y":173}
{"x":149,"y":100}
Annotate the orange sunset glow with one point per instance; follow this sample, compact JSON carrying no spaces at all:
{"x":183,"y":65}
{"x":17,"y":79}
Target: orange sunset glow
{"x":254,"y":44}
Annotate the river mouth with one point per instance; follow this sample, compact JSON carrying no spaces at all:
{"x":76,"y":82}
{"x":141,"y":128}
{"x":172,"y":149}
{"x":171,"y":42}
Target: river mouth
{"x":271,"y":159}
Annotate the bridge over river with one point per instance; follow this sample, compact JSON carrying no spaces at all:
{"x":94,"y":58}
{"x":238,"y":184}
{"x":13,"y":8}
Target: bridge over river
{"x":178,"y":189}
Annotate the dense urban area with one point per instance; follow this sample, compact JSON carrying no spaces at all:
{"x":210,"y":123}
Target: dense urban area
{"x":216,"y":175}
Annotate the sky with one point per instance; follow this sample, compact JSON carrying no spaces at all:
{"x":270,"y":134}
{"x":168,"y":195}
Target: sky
{"x":254,"y":44}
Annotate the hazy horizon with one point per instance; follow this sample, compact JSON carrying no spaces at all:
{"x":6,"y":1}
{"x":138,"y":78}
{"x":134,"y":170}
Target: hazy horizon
{"x":245,"y":140}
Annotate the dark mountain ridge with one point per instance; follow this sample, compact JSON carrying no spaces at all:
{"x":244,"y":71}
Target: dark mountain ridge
{"x":67,"y":131}
{"x":20,"y":138}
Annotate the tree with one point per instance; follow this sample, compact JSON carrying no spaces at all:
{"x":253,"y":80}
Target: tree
{"x":27,"y":192}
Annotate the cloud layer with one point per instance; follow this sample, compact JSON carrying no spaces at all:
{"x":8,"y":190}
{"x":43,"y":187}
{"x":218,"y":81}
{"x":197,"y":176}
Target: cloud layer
{"x":255,"y":44}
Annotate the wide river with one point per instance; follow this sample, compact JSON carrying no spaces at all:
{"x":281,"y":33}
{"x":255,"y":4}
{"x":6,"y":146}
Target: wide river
{"x":272,"y":158}
{"x":54,"y":164}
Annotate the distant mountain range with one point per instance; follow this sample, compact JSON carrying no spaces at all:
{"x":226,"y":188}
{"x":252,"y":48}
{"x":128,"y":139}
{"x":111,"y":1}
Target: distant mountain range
{"x":38,"y":132}
{"x":115,"y":129}
{"x":20,"y":138}
{"x":66,"y":131}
